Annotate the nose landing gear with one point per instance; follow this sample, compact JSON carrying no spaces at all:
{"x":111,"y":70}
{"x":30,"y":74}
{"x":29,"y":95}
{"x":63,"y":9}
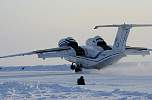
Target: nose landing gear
{"x":77,"y":67}
{"x":73,"y":66}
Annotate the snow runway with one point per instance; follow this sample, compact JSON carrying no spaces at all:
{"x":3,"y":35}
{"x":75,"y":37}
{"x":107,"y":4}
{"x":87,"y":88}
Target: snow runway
{"x":25,"y":74}
{"x":59,"y":83}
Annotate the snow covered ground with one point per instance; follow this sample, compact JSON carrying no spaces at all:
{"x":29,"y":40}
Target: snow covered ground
{"x":59,"y":82}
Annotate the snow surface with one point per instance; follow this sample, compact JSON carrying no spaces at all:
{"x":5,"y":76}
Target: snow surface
{"x":59,"y":83}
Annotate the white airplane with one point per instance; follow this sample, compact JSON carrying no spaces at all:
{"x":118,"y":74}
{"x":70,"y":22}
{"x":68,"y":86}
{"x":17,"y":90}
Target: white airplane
{"x":96,"y":54}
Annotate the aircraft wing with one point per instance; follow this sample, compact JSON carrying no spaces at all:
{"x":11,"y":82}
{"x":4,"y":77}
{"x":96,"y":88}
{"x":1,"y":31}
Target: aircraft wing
{"x":47,"y":53}
{"x":137,"y":51}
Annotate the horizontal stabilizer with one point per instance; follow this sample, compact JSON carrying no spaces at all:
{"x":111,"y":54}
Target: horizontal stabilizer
{"x":121,"y":25}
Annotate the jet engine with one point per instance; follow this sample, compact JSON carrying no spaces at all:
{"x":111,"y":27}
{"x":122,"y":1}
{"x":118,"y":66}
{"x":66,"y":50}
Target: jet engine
{"x":69,"y":41}
{"x":97,"y":41}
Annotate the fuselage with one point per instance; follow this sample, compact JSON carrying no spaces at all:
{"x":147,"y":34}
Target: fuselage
{"x":96,"y":57}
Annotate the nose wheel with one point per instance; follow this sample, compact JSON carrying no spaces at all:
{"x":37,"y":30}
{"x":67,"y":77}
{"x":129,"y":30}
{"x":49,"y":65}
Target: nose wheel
{"x":73,"y":66}
{"x":77,"y":67}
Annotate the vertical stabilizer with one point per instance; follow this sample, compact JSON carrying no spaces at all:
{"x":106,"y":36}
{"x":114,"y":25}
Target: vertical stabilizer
{"x":122,"y":34}
{"x":121,"y":38}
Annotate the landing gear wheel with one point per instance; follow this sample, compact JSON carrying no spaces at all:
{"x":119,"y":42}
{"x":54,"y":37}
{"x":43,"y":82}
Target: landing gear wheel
{"x":78,"y":69}
{"x":73,"y":66}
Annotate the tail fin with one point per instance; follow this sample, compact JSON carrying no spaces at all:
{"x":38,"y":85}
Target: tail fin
{"x":122,"y":34}
{"x":121,"y":38}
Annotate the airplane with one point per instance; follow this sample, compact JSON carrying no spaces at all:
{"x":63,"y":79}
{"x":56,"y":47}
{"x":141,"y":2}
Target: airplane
{"x":96,"y":54}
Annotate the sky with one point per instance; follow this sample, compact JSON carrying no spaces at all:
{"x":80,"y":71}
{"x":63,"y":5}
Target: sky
{"x":27,"y":25}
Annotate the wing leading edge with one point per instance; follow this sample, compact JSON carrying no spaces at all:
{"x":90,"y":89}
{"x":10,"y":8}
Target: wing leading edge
{"x":137,"y":51}
{"x":47,"y":53}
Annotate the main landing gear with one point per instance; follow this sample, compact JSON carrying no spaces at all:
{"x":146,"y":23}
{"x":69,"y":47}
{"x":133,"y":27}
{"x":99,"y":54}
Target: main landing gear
{"x":77,"y":67}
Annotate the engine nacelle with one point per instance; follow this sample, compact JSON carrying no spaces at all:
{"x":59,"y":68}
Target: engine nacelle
{"x":69,"y":41}
{"x":97,"y":41}
{"x":94,"y":41}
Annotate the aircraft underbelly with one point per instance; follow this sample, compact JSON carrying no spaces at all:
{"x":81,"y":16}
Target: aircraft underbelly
{"x":106,"y":62}
{"x":103,"y":63}
{"x":94,"y":63}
